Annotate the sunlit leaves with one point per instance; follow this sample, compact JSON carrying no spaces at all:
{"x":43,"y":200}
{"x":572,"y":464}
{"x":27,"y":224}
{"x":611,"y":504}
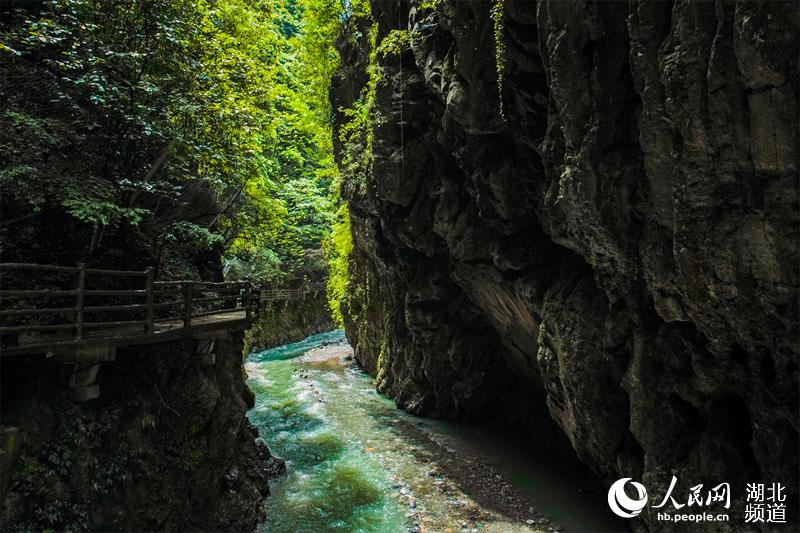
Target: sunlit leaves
{"x":186,"y":232}
{"x":297,"y":149}
{"x":103,"y":213}
{"x":199,"y":122}
{"x":338,"y":249}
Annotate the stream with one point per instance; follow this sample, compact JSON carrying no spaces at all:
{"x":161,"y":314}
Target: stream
{"x":357,"y":463}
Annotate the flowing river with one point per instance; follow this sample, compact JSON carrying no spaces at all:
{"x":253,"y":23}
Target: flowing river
{"x":357,"y":463}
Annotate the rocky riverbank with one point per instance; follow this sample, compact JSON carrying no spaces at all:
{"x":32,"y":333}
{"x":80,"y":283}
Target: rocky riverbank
{"x":490,"y":493}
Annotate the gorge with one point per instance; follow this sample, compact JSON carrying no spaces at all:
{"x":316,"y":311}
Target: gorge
{"x":573,"y":224}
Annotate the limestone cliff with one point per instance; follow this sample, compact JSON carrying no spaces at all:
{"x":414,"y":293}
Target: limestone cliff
{"x":586,"y":212}
{"x":290,"y":321}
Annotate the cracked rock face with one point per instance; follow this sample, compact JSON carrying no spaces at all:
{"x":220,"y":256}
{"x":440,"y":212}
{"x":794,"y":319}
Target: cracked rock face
{"x":605,"y":236}
{"x":166,"y":446}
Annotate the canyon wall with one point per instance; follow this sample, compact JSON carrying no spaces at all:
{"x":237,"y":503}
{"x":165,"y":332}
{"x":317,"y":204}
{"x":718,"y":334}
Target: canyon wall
{"x":166,"y":446}
{"x":585,"y":213}
{"x":290,"y":321}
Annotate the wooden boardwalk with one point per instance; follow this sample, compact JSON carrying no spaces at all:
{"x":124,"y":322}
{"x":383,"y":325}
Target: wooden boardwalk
{"x":56,"y":309}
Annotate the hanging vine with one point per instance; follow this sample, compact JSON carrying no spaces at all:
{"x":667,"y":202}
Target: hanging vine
{"x":496,"y":13}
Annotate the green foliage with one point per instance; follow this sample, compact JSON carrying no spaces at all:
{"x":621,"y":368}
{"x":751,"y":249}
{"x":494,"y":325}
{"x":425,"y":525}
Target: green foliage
{"x":395,"y":42}
{"x":430,"y":5}
{"x":175,"y":126}
{"x":113,"y":472}
{"x":149,"y":422}
{"x":356,"y":138}
{"x":60,"y":458}
{"x":355,"y":10}
{"x":338,"y":249}
{"x":496,"y":13}
{"x":124,"y":118}
{"x":30,"y":468}
{"x":199,"y":237}
{"x":355,"y":134}
{"x":61,"y":515}
{"x":194,"y":458}
{"x":292,"y":214}
{"x":102,"y":212}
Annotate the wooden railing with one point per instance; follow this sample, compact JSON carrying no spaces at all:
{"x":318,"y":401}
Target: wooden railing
{"x":101,"y":299}
{"x":268,"y":295}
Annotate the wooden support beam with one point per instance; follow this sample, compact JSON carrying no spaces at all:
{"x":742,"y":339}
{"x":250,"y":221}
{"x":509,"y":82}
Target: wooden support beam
{"x":82,"y":386}
{"x":79,"y":304}
{"x":83,"y":375}
{"x":150,"y":311}
{"x":246,"y":301}
{"x":88,"y":355}
{"x":204,"y":352}
{"x":81,"y":382}
{"x":84,"y":394}
{"x":34,"y":266}
{"x":187,"y":304}
{"x":10,"y":443}
{"x":212,"y":334}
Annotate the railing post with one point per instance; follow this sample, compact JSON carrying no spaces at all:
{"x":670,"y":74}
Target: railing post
{"x":80,"y":303}
{"x":246,"y":300}
{"x":149,"y":320}
{"x":187,"y":304}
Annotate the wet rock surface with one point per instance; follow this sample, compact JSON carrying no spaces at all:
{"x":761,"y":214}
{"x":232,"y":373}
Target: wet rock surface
{"x":600,"y":242}
{"x":284,"y":322}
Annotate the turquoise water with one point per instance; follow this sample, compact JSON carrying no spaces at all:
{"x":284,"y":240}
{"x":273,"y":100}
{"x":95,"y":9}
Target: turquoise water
{"x":321,"y":421}
{"x":353,"y":464}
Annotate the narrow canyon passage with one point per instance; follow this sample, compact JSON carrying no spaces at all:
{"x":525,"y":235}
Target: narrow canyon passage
{"x":546,"y":250}
{"x":357,"y":463}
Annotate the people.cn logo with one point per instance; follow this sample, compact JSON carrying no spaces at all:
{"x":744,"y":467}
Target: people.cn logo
{"x":621,"y":504}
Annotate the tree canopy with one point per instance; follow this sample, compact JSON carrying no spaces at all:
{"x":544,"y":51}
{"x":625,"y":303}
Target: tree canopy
{"x":168,"y":132}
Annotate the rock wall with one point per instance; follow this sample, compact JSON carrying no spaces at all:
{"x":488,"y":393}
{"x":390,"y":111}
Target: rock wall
{"x":284,"y":322}
{"x":587,"y":213}
{"x":165,"y":447}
